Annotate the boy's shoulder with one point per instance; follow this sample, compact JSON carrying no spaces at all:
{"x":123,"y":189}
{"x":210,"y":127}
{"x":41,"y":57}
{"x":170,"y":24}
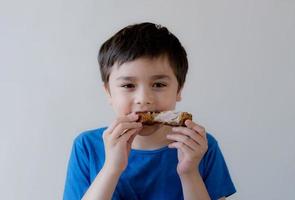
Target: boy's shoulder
{"x":89,"y":136}
{"x":211,"y":140}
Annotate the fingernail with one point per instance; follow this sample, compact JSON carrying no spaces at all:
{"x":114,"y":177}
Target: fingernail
{"x":187,"y":122}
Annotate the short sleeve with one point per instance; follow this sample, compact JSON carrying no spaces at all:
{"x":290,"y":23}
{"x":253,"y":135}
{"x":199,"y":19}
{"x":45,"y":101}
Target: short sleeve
{"x":77,"y":178}
{"x":216,"y":175}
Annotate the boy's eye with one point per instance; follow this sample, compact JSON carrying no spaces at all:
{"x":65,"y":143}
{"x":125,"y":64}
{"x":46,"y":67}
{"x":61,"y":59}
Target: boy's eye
{"x":159,"y":85}
{"x":129,"y":85}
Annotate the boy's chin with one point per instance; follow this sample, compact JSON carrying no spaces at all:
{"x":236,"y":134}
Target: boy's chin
{"x":149,"y":129}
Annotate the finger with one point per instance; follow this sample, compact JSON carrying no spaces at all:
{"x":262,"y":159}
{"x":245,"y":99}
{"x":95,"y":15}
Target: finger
{"x":124,"y":138}
{"x":184,"y":139}
{"x":130,"y":140}
{"x":190,"y":133}
{"x":182,"y":147}
{"x":128,"y":118}
{"x":129,"y":136}
{"x":124,"y":127}
{"x":200,"y":129}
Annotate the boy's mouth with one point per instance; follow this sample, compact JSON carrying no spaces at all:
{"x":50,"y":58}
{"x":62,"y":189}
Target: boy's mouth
{"x":147,"y":117}
{"x":145,"y":111}
{"x":141,"y":111}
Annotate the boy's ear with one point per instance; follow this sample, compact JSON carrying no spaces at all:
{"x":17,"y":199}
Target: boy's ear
{"x":178,"y":97}
{"x":108,"y":92}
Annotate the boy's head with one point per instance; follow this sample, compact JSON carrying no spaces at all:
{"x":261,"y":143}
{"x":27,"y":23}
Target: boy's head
{"x":143,"y":67}
{"x":143,"y":40}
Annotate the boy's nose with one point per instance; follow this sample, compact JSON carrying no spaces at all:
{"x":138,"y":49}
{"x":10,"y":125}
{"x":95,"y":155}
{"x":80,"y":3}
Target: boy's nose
{"x":144,"y":97}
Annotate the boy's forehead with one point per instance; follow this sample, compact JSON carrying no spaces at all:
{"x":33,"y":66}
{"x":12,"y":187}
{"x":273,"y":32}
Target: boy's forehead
{"x":155,"y":68}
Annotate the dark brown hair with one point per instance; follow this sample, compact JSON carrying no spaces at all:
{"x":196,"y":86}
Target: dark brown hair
{"x":143,"y":40}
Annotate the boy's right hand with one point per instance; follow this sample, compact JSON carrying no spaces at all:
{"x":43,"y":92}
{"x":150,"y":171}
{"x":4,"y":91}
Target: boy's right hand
{"x":117,"y":141}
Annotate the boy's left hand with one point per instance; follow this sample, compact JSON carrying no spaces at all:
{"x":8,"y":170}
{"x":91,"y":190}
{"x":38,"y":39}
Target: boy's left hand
{"x":191,"y":143}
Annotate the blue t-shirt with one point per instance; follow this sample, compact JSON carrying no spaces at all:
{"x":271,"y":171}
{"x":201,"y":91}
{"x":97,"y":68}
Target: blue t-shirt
{"x":150,"y":174}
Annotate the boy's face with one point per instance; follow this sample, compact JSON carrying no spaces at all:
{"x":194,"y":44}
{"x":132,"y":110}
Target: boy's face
{"x":145,"y":84}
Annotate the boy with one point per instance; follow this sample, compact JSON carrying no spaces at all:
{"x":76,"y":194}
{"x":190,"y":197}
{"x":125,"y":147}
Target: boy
{"x":143,"y":68}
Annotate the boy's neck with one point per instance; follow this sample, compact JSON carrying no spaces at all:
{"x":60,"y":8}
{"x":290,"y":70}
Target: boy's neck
{"x":153,"y":141}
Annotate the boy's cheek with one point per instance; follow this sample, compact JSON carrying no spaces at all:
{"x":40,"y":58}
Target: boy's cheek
{"x":122,"y":108}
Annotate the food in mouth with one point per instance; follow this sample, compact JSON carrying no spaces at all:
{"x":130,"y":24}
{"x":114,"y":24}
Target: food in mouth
{"x":171,"y":118}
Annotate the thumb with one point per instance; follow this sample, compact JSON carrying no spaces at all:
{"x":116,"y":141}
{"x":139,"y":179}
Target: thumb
{"x":129,"y":135}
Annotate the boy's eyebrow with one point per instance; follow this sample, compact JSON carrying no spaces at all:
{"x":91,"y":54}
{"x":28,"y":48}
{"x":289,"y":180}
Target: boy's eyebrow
{"x":154,"y":77}
{"x":160,"y":76}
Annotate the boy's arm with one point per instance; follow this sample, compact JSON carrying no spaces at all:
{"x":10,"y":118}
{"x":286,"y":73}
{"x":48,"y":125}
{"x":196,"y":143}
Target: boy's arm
{"x":191,"y":143}
{"x":193,"y":187}
{"x":117,"y":141}
{"x":103,"y":186}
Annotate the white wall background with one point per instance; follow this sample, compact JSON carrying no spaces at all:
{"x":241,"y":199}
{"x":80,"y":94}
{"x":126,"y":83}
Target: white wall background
{"x":240,"y":85}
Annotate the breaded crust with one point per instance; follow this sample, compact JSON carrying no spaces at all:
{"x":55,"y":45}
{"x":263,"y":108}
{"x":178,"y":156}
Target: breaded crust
{"x":184,"y":116}
{"x":148,"y":118}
